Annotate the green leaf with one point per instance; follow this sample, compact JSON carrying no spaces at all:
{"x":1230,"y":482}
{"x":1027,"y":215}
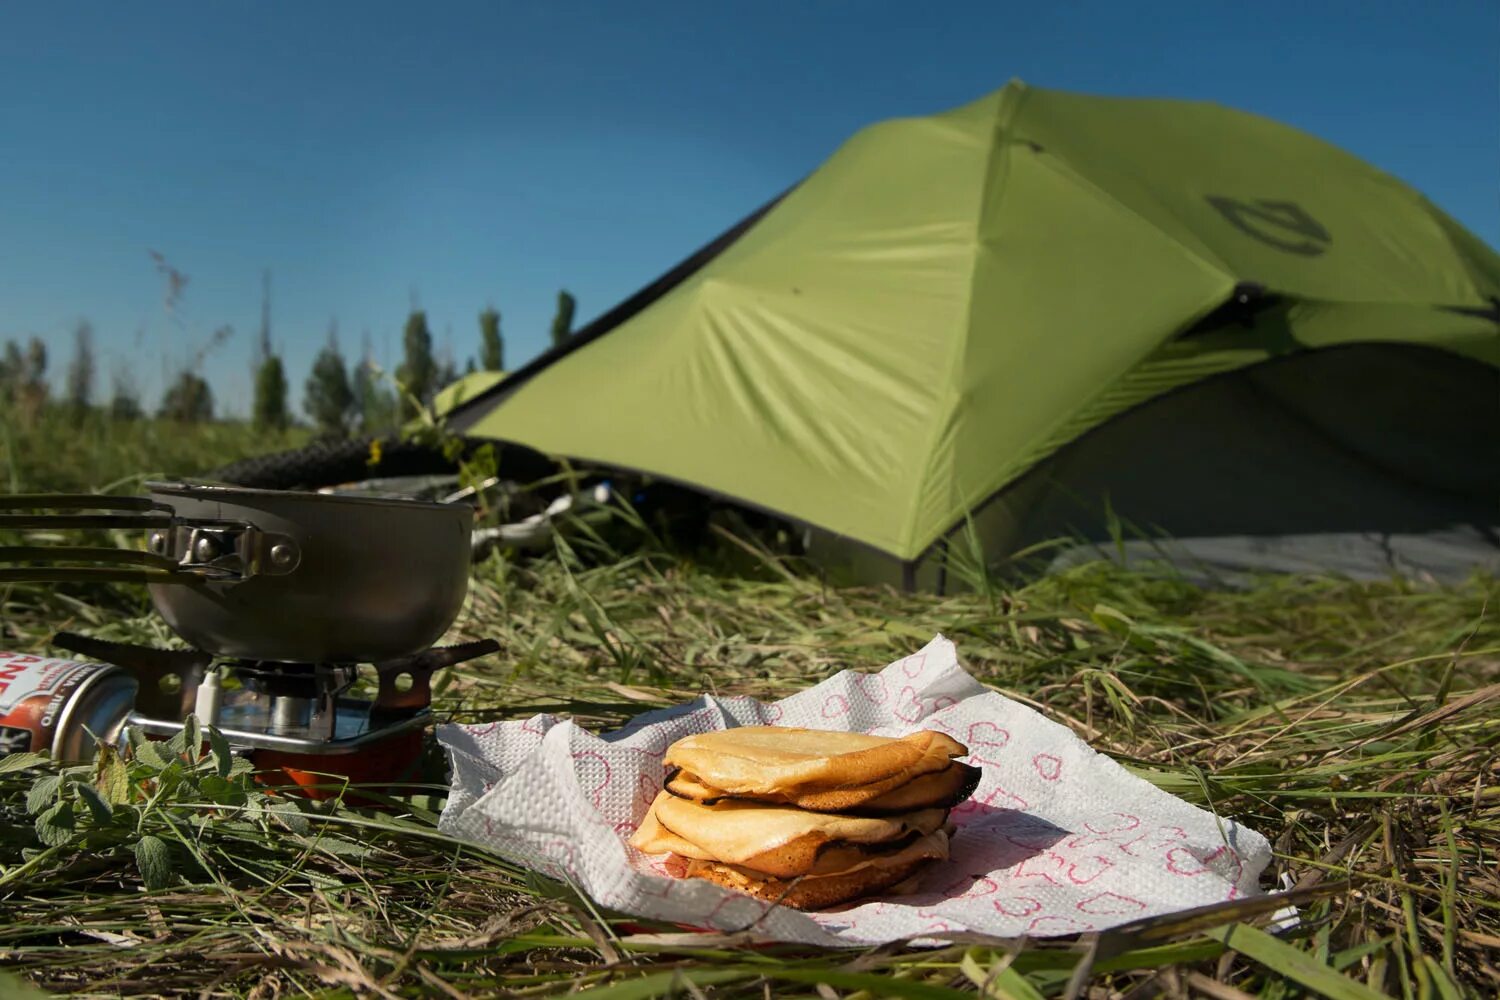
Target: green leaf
{"x":192,"y":739}
{"x":19,"y":989}
{"x":1111,"y":620}
{"x":665,"y":984}
{"x":217,"y":790}
{"x":154,"y":858}
{"x":150,"y":753}
{"x":322,"y":881}
{"x":342,"y":848}
{"x":135,"y":736}
{"x":239,"y":766}
{"x":223,"y":756}
{"x":869,"y":982}
{"x":21,"y":761}
{"x":170,"y":779}
{"x":228,"y":826}
{"x":1149,"y":957}
{"x":1291,"y":962}
{"x":111,"y":776}
{"x":55,"y":826}
{"x":1446,"y":987}
{"x":97,"y":806}
{"x":1008,"y":984}
{"x":289,"y":814}
{"x":126,"y":816}
{"x":43,"y":792}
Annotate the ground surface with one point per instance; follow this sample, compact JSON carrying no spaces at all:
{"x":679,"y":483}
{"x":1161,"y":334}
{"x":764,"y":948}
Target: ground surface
{"x":1354,"y":725}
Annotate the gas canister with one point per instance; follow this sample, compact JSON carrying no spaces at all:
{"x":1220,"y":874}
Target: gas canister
{"x":50,"y":704}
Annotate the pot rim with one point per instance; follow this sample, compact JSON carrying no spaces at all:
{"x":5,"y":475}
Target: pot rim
{"x":218,"y":492}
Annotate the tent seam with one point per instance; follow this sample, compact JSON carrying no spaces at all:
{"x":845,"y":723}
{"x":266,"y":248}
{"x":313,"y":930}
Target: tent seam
{"x":1086,"y":186}
{"x":465,"y":414}
{"x":969,"y":505}
{"x":1212,"y":261}
{"x":991,"y":188}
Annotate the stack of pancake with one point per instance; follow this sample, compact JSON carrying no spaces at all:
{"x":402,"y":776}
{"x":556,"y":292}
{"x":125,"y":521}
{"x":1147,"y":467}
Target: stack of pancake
{"x":804,"y":817}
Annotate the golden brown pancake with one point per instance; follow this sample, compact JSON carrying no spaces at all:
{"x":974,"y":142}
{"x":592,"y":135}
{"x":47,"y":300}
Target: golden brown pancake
{"x":779,"y":841}
{"x":653,"y":838}
{"x":816,"y":892}
{"x":762,"y":760}
{"x":805,"y":818}
{"x":934,"y":790}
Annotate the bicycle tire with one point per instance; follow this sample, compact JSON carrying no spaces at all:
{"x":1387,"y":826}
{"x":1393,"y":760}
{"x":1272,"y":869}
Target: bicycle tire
{"x":334,"y":461}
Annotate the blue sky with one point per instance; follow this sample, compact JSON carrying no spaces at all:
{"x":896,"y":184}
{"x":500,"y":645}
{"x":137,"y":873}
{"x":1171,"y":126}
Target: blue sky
{"x":496,"y":152}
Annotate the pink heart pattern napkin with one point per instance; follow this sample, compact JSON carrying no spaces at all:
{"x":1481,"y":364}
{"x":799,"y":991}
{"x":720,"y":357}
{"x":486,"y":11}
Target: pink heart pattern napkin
{"x":1056,"y":840}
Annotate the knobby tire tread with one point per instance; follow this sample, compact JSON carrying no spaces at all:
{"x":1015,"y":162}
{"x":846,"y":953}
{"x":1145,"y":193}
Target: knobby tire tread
{"x":332,"y":461}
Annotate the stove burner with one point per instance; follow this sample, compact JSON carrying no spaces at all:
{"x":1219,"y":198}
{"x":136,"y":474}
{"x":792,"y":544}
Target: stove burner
{"x":299,"y":709}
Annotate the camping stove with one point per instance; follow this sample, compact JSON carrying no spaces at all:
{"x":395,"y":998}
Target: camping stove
{"x":298,"y":719}
{"x":286,"y":598}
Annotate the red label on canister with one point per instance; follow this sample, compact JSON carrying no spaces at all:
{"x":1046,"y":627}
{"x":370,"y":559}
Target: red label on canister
{"x":35,"y":692}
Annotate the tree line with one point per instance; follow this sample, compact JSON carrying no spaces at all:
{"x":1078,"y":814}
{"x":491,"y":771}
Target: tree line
{"x":339,"y":397}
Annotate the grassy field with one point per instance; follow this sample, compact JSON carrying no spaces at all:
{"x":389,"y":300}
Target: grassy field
{"x":54,"y":451}
{"x":1352,"y":724}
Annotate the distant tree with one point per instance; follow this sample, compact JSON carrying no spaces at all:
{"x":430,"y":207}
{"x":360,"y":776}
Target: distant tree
{"x":269,"y":408}
{"x":125,"y":398}
{"x":261,"y":349}
{"x":469,"y":366}
{"x":81,"y":370}
{"x":418,"y":373}
{"x":327,"y":396}
{"x":188,"y":400}
{"x":447,"y":371}
{"x":23,"y":377}
{"x":374,"y":403}
{"x":34,"y":373}
{"x":446,"y":374}
{"x":10,"y":362}
{"x":491,"y":344}
{"x":123,"y":405}
{"x":562,"y":322}
{"x":12,"y":366}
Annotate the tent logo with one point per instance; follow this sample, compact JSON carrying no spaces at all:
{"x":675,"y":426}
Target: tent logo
{"x":1275,"y":223}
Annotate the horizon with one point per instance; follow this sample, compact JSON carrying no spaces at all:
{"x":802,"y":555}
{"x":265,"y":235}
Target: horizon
{"x":495,"y":154}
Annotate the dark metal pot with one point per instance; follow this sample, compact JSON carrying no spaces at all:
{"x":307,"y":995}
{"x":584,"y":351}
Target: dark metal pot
{"x":272,"y":575}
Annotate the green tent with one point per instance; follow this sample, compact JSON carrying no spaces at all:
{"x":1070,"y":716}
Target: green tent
{"x":466,"y":387}
{"x":999,"y":321}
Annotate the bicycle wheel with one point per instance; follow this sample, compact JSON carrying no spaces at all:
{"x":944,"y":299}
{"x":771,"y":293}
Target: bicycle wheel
{"x":335,"y":461}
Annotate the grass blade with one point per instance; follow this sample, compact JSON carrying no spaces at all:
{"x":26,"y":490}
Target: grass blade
{"x":1293,"y":963}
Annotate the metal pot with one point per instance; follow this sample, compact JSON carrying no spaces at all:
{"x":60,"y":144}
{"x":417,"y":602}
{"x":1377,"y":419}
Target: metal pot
{"x":270,"y":575}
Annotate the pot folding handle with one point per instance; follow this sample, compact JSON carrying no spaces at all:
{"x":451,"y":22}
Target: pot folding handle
{"x":178,"y":550}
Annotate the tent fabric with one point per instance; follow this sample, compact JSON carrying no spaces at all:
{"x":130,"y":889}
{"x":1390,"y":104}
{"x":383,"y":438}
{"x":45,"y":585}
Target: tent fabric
{"x":949,"y":301}
{"x":1370,"y":461}
{"x":465,"y":388}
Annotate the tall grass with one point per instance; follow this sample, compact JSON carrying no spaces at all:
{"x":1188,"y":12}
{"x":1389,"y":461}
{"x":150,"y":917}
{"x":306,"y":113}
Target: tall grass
{"x":59,"y":449}
{"x":1353,"y":724}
